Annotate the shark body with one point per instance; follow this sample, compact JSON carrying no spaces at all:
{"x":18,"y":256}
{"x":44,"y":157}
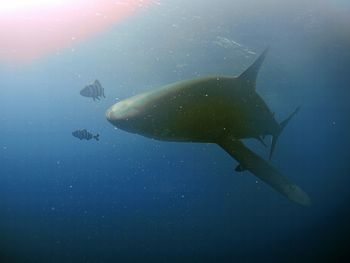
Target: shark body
{"x":215,"y":109}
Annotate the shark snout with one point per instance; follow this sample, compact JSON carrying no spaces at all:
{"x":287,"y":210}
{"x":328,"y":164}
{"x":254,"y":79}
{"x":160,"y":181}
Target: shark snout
{"x":115,"y":116}
{"x":116,"y":119}
{"x":109,"y":115}
{"x":121,"y":115}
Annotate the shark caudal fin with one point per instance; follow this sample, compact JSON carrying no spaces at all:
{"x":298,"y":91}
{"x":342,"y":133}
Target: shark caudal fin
{"x":252,"y":162}
{"x":250,"y":74}
{"x":283,"y":124}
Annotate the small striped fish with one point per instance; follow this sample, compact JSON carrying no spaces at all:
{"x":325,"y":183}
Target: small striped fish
{"x":85,"y":135}
{"x":93,"y":90}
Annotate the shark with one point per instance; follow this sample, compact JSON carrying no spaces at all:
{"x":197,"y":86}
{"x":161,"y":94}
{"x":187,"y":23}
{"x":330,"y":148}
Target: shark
{"x":222,"y":110}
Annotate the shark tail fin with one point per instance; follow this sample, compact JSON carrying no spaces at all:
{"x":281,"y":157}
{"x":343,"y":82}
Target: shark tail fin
{"x":249,"y":75}
{"x":97,"y":137}
{"x":282,"y":125}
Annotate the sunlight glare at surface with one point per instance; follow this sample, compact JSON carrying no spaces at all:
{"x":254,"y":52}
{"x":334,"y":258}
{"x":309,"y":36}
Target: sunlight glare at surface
{"x":31,"y":29}
{"x":6,"y":6}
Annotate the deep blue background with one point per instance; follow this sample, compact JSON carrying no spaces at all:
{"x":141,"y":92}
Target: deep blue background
{"x":130,"y":199}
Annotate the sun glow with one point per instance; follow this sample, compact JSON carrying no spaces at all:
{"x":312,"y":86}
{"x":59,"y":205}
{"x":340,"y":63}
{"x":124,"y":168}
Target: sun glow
{"x":30,"y":29}
{"x":13,"y":5}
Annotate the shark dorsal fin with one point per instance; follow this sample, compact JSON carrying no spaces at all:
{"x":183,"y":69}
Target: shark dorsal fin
{"x":250,"y":74}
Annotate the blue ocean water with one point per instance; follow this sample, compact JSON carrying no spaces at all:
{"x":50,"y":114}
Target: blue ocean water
{"x":127,"y":198}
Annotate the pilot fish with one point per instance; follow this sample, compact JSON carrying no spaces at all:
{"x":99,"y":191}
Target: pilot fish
{"x":93,"y":90}
{"x":85,"y":135}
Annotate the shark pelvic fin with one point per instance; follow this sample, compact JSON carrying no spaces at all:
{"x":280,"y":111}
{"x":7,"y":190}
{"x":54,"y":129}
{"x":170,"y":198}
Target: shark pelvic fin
{"x":249,"y":75}
{"x":240,"y":168}
{"x":261,"y":139}
{"x":283,"y":124}
{"x":252,"y":162}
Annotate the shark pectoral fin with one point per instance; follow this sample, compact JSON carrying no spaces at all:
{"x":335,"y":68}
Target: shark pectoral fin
{"x":240,"y":168}
{"x":263,"y":170}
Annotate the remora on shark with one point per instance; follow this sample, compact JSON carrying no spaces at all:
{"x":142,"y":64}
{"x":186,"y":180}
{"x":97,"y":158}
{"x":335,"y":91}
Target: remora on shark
{"x":214,"y":109}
